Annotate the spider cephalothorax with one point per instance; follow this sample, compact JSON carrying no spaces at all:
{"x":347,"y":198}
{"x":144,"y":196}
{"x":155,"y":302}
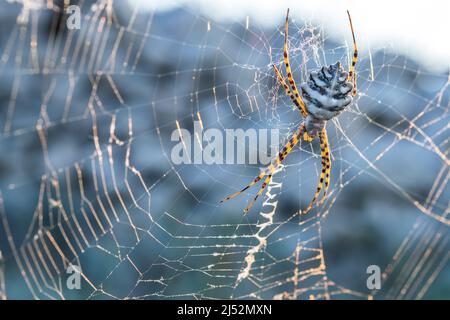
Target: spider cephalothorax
{"x":324,"y":96}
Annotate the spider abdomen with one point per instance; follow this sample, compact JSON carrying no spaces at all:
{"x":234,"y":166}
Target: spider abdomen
{"x":327,"y":93}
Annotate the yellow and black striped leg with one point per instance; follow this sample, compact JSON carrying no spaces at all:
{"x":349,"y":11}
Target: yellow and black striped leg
{"x":355,"y":88}
{"x":351,"y":73}
{"x":289,"y":145}
{"x":281,"y":156}
{"x":260,"y":191}
{"x":271,"y":169}
{"x":322,"y":174}
{"x":324,"y":142}
{"x":262,"y":175}
{"x":298,"y":102}
{"x":288,"y":66}
{"x":325,"y":173}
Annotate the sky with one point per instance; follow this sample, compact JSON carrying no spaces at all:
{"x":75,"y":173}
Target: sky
{"x":417,"y":29}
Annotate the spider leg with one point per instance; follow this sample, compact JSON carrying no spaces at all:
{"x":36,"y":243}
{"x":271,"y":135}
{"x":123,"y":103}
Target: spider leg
{"x":263,"y":186}
{"x":324,"y":138}
{"x":281,"y":155}
{"x":351,"y":73}
{"x":262,"y":175}
{"x":271,"y":169}
{"x":289,"y":145}
{"x":288,"y":67}
{"x":324,"y":154}
{"x":298,"y":102}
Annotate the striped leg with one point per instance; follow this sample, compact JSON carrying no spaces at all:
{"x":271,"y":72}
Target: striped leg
{"x":351,"y":74}
{"x":271,"y":169}
{"x":263,"y":186}
{"x":288,"y":66}
{"x":288,"y":147}
{"x":324,"y":154}
{"x":324,"y":138}
{"x":262,"y":175}
{"x":298,"y":102}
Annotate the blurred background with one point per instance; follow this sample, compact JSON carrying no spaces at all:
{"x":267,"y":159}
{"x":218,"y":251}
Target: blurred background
{"x":86,"y":176}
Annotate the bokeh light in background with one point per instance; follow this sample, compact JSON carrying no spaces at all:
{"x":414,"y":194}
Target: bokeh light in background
{"x":413,"y":28}
{"x":86,"y":177}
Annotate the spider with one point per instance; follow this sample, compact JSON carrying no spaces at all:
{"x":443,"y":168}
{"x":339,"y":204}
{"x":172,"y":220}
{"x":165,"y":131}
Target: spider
{"x":325,"y":95}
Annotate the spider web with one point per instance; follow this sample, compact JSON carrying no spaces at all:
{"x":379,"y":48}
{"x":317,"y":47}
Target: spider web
{"x":87,"y":178}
